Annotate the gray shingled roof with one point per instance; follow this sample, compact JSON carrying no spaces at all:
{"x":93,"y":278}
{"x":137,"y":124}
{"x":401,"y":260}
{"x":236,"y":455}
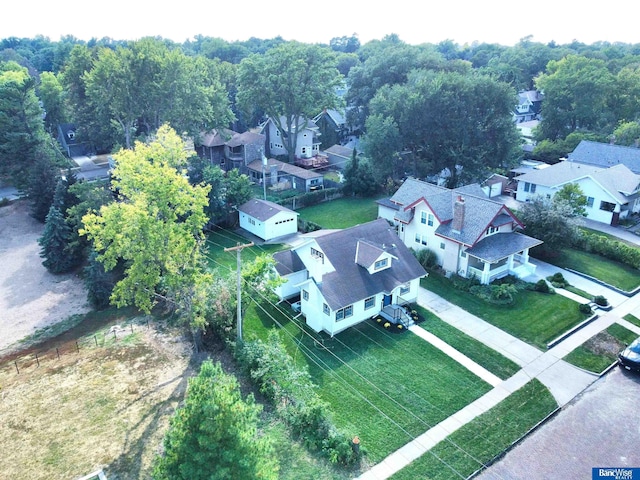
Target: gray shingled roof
{"x":262,"y":209}
{"x":618,"y":180}
{"x":500,"y":245}
{"x":386,"y":202}
{"x":366,"y":253}
{"x":350,"y":282}
{"x":288,"y":262}
{"x":340,"y":150}
{"x":246,"y":138}
{"x":294,"y":170}
{"x":480,"y":211}
{"x":606,"y":155}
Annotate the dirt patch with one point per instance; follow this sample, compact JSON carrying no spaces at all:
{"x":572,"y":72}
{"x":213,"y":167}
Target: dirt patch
{"x":106,"y":406}
{"x":31,"y":298}
{"x":604,"y":344}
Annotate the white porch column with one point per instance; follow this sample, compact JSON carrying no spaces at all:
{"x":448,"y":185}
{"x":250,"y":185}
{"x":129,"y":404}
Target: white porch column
{"x":486,"y":272}
{"x":525,"y":256}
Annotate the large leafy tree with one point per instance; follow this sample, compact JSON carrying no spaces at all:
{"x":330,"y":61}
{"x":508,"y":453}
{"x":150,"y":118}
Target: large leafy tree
{"x":155,"y":229}
{"x":454,"y":121}
{"x":577,"y":93}
{"x":290,"y":83}
{"x":215,"y":435}
{"x":52,"y":95}
{"x":553,"y":222}
{"x":22,"y":131}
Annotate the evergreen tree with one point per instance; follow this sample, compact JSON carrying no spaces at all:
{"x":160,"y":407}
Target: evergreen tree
{"x":54,"y":242}
{"x":214,"y":436}
{"x":358,"y":178}
{"x":42,"y":183}
{"x":98,"y":282}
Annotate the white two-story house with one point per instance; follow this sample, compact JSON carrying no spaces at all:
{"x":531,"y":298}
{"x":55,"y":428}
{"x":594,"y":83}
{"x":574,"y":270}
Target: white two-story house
{"x":348,"y":276}
{"x":471,"y":235}
{"x":307,"y":142}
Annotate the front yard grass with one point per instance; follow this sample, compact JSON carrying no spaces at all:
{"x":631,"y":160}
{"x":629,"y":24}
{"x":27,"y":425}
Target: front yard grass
{"x":478,"y":442}
{"x":536,"y":318}
{"x":493,"y":361}
{"x":601,"y":350}
{"x":341,"y":213}
{"x":614,"y":273}
{"x":633,"y":319}
{"x":386,"y":388}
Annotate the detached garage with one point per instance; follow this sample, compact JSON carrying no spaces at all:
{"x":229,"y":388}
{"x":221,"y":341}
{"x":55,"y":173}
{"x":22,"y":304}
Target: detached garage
{"x":267,"y":220}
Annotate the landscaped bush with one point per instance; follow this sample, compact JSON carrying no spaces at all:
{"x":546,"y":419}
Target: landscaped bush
{"x":497,"y":294}
{"x":311,"y":198}
{"x":558,"y":280}
{"x":293,"y":393}
{"x":600,"y":300}
{"x":305,"y":226}
{"x":426,"y":257}
{"x":585,"y":308}
{"x":542,"y":286}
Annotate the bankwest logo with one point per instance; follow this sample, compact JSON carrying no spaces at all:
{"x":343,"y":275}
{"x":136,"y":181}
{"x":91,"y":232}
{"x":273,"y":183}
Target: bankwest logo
{"x":616,"y":473}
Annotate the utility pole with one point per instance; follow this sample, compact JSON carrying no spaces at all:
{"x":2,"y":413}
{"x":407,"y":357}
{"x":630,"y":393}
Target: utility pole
{"x":264,"y":175}
{"x":238,"y":249}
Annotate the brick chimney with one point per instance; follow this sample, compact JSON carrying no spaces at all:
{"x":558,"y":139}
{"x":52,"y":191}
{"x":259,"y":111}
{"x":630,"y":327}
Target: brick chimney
{"x":458,"y":215}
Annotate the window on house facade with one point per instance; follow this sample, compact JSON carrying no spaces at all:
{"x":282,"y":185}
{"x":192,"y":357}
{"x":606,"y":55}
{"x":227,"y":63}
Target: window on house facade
{"x":430,"y":219}
{"x":369,"y":302}
{"x":441,"y":245}
{"x":590,"y":201}
{"x":304,"y":149}
{"x":423,"y":217}
{"x":405,"y":288}
{"x":530,"y":187}
{"x":381,"y":264}
{"x":305,"y":295}
{"x":607,"y":206}
{"x":491,"y":230}
{"x":325,"y":309}
{"x":343,"y":313}
{"x":421,"y":239}
{"x":463,"y":254}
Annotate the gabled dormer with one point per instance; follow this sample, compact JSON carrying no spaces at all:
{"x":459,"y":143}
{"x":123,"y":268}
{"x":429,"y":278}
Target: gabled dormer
{"x":373,"y":257}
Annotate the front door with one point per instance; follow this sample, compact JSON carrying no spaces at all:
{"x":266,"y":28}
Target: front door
{"x":386,"y":300}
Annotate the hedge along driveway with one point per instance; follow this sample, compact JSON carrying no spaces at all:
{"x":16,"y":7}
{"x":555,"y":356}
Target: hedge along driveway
{"x":386,"y":388}
{"x":534,"y":317}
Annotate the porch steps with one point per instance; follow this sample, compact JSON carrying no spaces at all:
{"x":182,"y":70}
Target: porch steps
{"x":397,"y":315}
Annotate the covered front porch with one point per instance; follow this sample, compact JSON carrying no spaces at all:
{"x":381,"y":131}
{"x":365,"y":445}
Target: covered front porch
{"x":500,"y":255}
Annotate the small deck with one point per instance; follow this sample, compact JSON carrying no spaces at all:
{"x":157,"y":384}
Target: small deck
{"x":397,"y":314}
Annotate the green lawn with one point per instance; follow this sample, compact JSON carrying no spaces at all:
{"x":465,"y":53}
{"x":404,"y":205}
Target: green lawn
{"x":608,"y":271}
{"x":219,"y":239}
{"x":536,"y":318}
{"x":341,"y":213}
{"x":601,"y":350}
{"x":633,"y":319}
{"x":485,"y":437}
{"x":477,"y":351}
{"x":386,"y":388}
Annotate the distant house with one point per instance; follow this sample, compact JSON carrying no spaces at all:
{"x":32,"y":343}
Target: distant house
{"x":267,"y":220}
{"x":529,"y":106}
{"x":338,"y":156}
{"x":229,"y":149}
{"x":283,"y":176}
{"x":471,"y":235}
{"x":349,"y":276}
{"x":332,"y":125}
{"x":612,"y":192}
{"x":69,"y":142}
{"x":606,"y":155}
{"x":308,"y":142}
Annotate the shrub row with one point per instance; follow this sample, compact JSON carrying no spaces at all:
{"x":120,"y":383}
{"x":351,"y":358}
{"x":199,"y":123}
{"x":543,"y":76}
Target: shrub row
{"x":292,"y":392}
{"x":608,"y":248}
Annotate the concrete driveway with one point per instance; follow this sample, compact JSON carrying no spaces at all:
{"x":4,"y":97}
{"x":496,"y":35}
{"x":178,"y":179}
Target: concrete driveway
{"x":600,"y":428}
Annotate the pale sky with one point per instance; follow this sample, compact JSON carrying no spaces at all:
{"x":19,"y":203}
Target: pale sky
{"x":463,"y":21}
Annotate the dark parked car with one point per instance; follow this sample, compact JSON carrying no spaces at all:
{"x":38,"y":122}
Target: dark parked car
{"x":629,"y":358}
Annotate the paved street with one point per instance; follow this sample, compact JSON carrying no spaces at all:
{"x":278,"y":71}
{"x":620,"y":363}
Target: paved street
{"x":601,"y":428}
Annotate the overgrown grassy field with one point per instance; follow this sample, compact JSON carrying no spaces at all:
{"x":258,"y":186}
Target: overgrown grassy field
{"x":386,"y":388}
{"x":600,"y":351}
{"x":493,"y":361}
{"x":608,"y":271}
{"x":341,"y":213}
{"x":464,"y":451}
{"x":536,"y":318}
